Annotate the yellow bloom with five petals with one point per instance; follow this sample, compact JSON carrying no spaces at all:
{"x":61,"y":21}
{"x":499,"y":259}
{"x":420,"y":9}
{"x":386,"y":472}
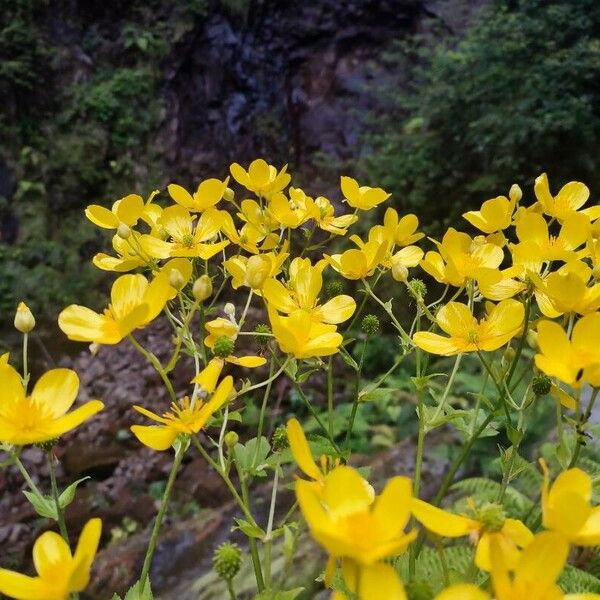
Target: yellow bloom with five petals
{"x":261,"y":178}
{"x":466,"y":334}
{"x":185,"y":418}
{"x":59,"y":573}
{"x":44,"y":415}
{"x":362,"y":197}
{"x":207,"y":195}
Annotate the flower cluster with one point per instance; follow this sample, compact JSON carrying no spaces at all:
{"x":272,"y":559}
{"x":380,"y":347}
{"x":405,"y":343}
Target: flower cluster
{"x":251,"y":283}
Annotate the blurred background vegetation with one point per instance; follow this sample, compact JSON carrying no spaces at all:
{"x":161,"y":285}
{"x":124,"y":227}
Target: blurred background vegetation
{"x":442,"y":103}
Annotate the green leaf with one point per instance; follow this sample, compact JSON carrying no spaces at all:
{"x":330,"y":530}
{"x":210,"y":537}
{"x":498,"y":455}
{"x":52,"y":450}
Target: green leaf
{"x":69,"y":493}
{"x":253,"y":531}
{"x":281,"y":595}
{"x":43,"y":505}
{"x":252,"y":456}
{"x":380,"y":394}
{"x":135,"y":592}
{"x":348,"y":359}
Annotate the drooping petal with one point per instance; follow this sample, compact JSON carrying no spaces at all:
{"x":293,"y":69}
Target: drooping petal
{"x":87,"y":546}
{"x":393,"y":506}
{"x":23,"y":587}
{"x":157,"y":437}
{"x":301,"y":450}
{"x":72,"y":420}
{"x":81,"y":324}
{"x":337,"y":310}
{"x":51,"y":554}
{"x":442,"y":522}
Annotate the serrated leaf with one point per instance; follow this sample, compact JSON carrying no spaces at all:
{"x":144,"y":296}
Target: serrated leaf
{"x":68,"y":494}
{"x":43,"y":505}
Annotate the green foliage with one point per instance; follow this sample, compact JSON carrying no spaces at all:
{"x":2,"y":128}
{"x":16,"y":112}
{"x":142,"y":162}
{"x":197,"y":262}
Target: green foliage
{"x":514,"y":96}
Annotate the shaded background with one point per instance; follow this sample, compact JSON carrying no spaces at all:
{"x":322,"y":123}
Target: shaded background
{"x":443,"y":103}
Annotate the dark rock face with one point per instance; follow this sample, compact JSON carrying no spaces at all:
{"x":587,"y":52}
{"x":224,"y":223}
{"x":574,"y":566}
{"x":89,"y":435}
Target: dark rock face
{"x":291,"y":82}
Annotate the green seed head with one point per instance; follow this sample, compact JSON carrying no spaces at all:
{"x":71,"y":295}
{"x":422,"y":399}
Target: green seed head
{"x":334,"y":288}
{"x":280,"y":439}
{"x":224,"y":347}
{"x":491,"y":516}
{"x":262,"y":340}
{"x":370,"y":325}
{"x":541,"y":385}
{"x":227,"y":560}
{"x":418,"y":287}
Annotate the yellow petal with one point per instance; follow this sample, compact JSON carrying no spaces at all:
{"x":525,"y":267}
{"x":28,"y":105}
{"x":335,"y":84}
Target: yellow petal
{"x":23,"y":587}
{"x":129,"y":209}
{"x":51,"y":554}
{"x":393,"y":506}
{"x":250,"y":362}
{"x":12,"y":386}
{"x":156,"y":437}
{"x":279,"y":296}
{"x":102,"y":217}
{"x":456,"y":319}
{"x":337,"y":310}
{"x":180,"y":195}
{"x":346,"y":492}
{"x":380,"y":581}
{"x":436,"y":344}
{"x":208,"y":377}
{"x":463,"y":591}
{"x":82,"y":324}
{"x":56,"y":390}
{"x":301,"y":450}
{"x":440,"y":521}
{"x":73,"y":419}
{"x":350,"y":190}
{"x":589,"y":533}
{"x":87,"y":546}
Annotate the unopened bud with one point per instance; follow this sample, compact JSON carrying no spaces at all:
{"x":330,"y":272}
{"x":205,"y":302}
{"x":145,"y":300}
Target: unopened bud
{"x":24,"y":319}
{"x":228,"y":194}
{"x":227,"y":561}
{"x":258,"y":269}
{"x":334,"y":288}
{"x":223,"y":346}
{"x":231,"y":439}
{"x":515,"y":193}
{"x":541,"y":385}
{"x":176,"y":279}
{"x":399,"y":272}
{"x":370,"y":325}
{"x":280,"y":441}
{"x":229,"y":310}
{"x":508,"y":357}
{"x":532,"y":339}
{"x":123,"y":231}
{"x":202,"y":288}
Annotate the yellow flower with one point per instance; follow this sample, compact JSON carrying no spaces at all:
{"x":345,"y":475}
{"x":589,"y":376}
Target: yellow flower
{"x":294,"y":211}
{"x":463,"y":591}
{"x":185,"y":238}
{"x":298,"y":334}
{"x":350,"y":523}
{"x":371,"y":582}
{"x":129,"y":256}
{"x":466,"y":334}
{"x":495,"y":214}
{"x":208,"y":193}
{"x":566,"y":291}
{"x":249,"y":236}
{"x":573,"y":361}
{"x":43,"y":415}
{"x":401,"y":232}
{"x":261,"y":178}
{"x":325,"y":218}
{"x":59,"y":572}
{"x":488,"y":525}
{"x":184,"y":418}
{"x":460,"y":257}
{"x":134,"y":303}
{"x":303,"y":456}
{"x":532,"y":227}
{"x":359,"y":263}
{"x":571,"y":197}
{"x":383,"y":238}
{"x":126,"y":211}
{"x":302,"y":292}
{"x":224,"y":328}
{"x":253,"y":272}
{"x":362,"y":197}
{"x":567,"y":509}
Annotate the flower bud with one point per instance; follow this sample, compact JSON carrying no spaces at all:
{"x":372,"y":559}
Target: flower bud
{"x":24,"y":319}
{"x":227,"y":561}
{"x":228,"y":194}
{"x":280,"y":441}
{"x":370,"y":325}
{"x":258,"y":269}
{"x":231,"y":439}
{"x":262,"y":341}
{"x":123,"y":231}
{"x":532,"y":339}
{"x":541,"y":385}
{"x":229,"y":310}
{"x":202,"y":288}
{"x":399,"y":272}
{"x":334,"y":288}
{"x":176,"y":279}
{"x":223,"y":346}
{"x":515,"y":193}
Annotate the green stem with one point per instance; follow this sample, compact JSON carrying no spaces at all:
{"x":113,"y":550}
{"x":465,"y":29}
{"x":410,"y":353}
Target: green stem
{"x":448,"y":387}
{"x":230,"y":589}
{"x":160,"y":516}
{"x":269,"y":536}
{"x":25,"y":361}
{"x":356,"y":401}
{"x":26,"y":476}
{"x":330,"y":395}
{"x":263,"y":408}
{"x":60,"y":515}
{"x":389,"y":312}
{"x":260,"y":582}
